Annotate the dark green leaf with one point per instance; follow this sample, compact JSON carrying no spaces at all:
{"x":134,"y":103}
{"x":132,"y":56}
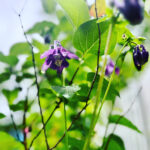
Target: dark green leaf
{"x":24,"y":76}
{"x":86,"y":38}
{"x":123,"y":121}
{"x":18,"y":106}
{"x":2,"y":116}
{"x":20,"y":49}
{"x":10,"y":60}
{"x":113,"y":142}
{"x":4,"y":76}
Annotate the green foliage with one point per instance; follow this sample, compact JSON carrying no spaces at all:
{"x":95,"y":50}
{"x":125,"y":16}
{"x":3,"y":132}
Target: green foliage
{"x":76,"y":10}
{"x":11,"y":95}
{"x":2,"y":116}
{"x":121,"y":120}
{"x":4,"y":76}
{"x":7,"y":142}
{"x":18,"y":106}
{"x":10,"y":60}
{"x":20,"y":49}
{"x":86,"y":38}
{"x":115,"y":143}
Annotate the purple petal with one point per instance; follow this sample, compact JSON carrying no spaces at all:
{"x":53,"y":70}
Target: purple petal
{"x":71,"y":55}
{"x":47,"y":53}
{"x":45,"y":66}
{"x":65,"y":64}
{"x":56,"y":44}
{"x":60,"y":69}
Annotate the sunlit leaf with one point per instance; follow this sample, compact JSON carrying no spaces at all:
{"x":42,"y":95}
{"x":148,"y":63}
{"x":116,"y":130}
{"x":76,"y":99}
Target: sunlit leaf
{"x":86,"y":38}
{"x":76,"y":10}
{"x":7,"y":142}
{"x":123,"y":121}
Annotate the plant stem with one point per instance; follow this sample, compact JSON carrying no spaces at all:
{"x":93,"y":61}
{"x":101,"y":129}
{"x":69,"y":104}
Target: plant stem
{"x":98,"y":93}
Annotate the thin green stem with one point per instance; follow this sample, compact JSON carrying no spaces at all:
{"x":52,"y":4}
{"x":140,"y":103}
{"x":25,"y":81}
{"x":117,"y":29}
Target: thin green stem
{"x":109,"y":84}
{"x":100,"y":84}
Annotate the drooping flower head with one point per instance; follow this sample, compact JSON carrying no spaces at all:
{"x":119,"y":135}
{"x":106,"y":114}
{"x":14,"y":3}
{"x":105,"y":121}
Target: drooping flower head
{"x":131,"y":9}
{"x":110,"y":67}
{"x":140,"y":56}
{"x":56,"y":58}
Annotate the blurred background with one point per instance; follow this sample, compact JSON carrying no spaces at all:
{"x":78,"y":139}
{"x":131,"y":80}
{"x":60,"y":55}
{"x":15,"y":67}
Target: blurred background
{"x":36,"y":11}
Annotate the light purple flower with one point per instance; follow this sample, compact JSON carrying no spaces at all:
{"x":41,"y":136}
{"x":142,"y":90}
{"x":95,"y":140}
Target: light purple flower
{"x":110,"y":67}
{"x":56,"y":58}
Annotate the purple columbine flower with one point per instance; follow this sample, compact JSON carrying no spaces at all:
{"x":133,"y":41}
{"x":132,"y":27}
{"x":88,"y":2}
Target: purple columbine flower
{"x":131,"y":9}
{"x":56,"y":58}
{"x":140,"y":56}
{"x":110,"y":67}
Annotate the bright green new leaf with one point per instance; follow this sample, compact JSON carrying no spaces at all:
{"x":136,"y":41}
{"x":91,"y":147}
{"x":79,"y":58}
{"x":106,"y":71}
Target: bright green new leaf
{"x":123,"y":121}
{"x":7,"y":142}
{"x":10,"y":60}
{"x":20,"y":49}
{"x":76,"y":10}
{"x":2,"y":116}
{"x":86,"y":38}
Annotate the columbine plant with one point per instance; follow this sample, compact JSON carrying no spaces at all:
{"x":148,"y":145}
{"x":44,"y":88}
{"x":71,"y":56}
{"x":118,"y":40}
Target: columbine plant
{"x":56,"y":58}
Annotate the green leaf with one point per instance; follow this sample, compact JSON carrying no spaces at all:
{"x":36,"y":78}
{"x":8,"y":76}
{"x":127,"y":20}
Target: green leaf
{"x":20,"y":49}
{"x":2,"y":116}
{"x":123,"y":121}
{"x":11,"y":95}
{"x":86,"y":38}
{"x":10,"y":60}
{"x":7,"y":142}
{"x":66,"y":91}
{"x":75,"y":144}
{"x":42,"y":28}
{"x":24,"y":76}
{"x":76,"y":10}
{"x":115,"y":143}
{"x":18,"y":106}
{"x":49,"y":5}
{"x":4,"y":76}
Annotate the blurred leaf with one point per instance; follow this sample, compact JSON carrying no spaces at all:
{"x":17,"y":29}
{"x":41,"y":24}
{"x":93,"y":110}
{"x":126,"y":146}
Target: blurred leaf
{"x":101,"y":8}
{"x":76,"y":10}
{"x":147,"y":6}
{"x":4,"y":76}
{"x":10,"y":60}
{"x":66,"y":91}
{"x":7,"y":142}
{"x":123,"y":121}
{"x":49,"y":5}
{"x":42,"y":28}
{"x":86,"y":38}
{"x":41,"y":47}
{"x":11,"y":95}
{"x":20,"y":49}
{"x":18,"y":106}
{"x":115,"y":143}
{"x":24,"y":76}
{"x":2,"y":116}
{"x":75,"y":144}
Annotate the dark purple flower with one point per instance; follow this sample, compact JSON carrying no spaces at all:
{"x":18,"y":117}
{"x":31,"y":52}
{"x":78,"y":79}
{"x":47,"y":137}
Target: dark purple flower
{"x":47,"y":39}
{"x":140,"y":56}
{"x":132,"y":10}
{"x":56,"y":58}
{"x":110,"y":67}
